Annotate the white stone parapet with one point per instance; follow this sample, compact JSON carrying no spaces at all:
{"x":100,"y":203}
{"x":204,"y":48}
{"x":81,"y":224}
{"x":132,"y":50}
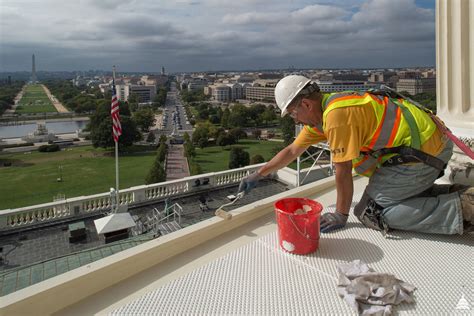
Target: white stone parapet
{"x":138,"y":195}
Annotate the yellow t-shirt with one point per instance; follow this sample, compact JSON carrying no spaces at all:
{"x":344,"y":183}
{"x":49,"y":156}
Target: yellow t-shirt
{"x":349,"y":128}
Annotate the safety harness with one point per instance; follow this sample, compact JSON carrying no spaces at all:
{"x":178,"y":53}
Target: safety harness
{"x":371,"y":214}
{"x":406,"y":154}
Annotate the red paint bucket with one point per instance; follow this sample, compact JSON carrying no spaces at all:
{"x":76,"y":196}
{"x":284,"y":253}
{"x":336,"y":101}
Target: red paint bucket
{"x":298,"y":224}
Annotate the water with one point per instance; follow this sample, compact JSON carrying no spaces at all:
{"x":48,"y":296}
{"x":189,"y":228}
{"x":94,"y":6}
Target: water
{"x":53,"y":127}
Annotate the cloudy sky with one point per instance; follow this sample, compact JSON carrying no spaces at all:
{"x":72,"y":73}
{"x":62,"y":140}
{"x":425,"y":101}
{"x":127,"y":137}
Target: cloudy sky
{"x":200,"y":35}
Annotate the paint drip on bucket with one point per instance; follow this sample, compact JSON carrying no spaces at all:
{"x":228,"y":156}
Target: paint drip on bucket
{"x":298,"y":224}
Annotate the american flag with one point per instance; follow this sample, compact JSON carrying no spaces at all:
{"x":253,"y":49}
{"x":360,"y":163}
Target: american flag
{"x":114,"y":111}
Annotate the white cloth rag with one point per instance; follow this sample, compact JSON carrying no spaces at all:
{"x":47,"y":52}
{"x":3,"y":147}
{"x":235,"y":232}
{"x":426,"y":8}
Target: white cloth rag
{"x":369,"y":292}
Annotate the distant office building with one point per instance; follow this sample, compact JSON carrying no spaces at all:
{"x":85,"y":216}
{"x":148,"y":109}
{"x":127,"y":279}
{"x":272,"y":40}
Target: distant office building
{"x":221,"y":93}
{"x":408,"y":74}
{"x":258,"y":93}
{"x":350,"y":77}
{"x":104,"y":87}
{"x":158,"y":81}
{"x":225,"y":92}
{"x":271,"y":76}
{"x":417,"y":85}
{"x":33,"y":69}
{"x":429,"y":74}
{"x":196,"y":84}
{"x":86,"y":81}
{"x":144,"y":93}
{"x":261,"y":90}
{"x":338,"y":86}
{"x":162,"y":70}
{"x":376,"y":77}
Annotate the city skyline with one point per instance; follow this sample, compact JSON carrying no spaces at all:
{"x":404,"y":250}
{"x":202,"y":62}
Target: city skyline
{"x":209,"y":35}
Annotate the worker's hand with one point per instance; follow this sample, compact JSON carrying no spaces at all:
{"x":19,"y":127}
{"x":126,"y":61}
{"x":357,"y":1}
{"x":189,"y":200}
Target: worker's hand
{"x":332,"y":221}
{"x":249,"y":182}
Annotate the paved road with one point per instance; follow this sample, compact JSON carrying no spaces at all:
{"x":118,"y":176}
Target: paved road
{"x":174,"y":119}
{"x":176,"y":163}
{"x":58,"y":105}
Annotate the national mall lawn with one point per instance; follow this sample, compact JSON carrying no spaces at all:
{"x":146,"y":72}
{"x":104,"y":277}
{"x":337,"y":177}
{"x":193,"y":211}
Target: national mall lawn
{"x":32,"y":177}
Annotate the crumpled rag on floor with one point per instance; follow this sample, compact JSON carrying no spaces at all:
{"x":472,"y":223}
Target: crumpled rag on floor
{"x":369,"y":292}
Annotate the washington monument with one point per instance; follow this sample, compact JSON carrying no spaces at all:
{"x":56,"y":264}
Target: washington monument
{"x":33,"y":70}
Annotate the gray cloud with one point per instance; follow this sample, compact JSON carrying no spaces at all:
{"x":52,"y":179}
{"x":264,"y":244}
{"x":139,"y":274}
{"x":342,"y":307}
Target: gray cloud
{"x":140,"y":26}
{"x":189,"y":35}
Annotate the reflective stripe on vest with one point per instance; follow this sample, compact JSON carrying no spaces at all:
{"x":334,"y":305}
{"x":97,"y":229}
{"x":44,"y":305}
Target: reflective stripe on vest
{"x":365,"y":165}
{"x":387,"y":127}
{"x":319,"y":130}
{"x":387,"y":134}
{"x":386,"y":111}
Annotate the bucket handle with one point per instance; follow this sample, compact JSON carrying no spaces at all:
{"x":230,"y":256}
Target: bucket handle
{"x":305,"y":234}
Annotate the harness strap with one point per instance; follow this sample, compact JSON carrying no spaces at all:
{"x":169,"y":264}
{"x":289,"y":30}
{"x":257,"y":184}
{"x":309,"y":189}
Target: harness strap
{"x":414,"y":132}
{"x":407,"y":154}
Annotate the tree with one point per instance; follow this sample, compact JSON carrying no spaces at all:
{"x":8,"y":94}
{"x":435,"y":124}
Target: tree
{"x":161,"y":152}
{"x":237,"y":133}
{"x":163,"y":139}
{"x":201,"y":132}
{"x":426,"y":99}
{"x":151,"y":137}
{"x":257,"y":110}
{"x":225,"y":140}
{"x":238,"y":116}
{"x":194,"y":168}
{"x":156,"y":174}
{"x":288,"y":129}
{"x":133,"y":98}
{"x":214,"y":119}
{"x":256,"y":159}
{"x":238,"y":158}
{"x":257,"y":133}
{"x":160,"y":98}
{"x":186,"y":137}
{"x":144,"y":119}
{"x":225,"y":118}
{"x":189,"y":150}
{"x":219,"y":131}
{"x":268,"y":115}
{"x":202,"y":143}
{"x":100,"y":126}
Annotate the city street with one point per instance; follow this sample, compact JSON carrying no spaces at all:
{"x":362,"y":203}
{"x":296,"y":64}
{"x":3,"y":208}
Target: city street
{"x":174,"y":118}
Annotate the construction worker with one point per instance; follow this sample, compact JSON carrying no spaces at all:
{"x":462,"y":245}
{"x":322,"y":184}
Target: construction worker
{"x":381,"y":136}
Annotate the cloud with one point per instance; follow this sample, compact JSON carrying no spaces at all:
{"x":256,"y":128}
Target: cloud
{"x":108,"y":4}
{"x":210,"y":34}
{"x":139,"y":26}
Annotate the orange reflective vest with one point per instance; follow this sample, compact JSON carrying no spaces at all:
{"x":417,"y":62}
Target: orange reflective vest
{"x":399,"y":123}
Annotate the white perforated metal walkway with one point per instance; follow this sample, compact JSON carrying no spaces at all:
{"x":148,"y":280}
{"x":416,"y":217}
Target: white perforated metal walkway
{"x":258,"y":278}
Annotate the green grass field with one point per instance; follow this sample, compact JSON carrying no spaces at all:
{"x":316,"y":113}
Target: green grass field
{"x":35,"y":100}
{"x":212,"y":159}
{"x":32,"y":177}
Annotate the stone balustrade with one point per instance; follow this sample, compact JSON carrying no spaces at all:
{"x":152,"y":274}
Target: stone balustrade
{"x":95,"y":204}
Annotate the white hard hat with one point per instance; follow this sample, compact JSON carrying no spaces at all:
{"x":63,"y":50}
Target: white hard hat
{"x":287,"y":89}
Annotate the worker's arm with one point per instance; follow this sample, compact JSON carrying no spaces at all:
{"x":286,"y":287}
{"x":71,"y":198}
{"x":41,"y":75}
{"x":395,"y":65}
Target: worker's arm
{"x":344,"y":186}
{"x":282,"y":159}
{"x":336,"y":220}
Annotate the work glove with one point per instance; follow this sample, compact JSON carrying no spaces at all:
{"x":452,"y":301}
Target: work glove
{"x":332,"y":221}
{"x":249,"y":182}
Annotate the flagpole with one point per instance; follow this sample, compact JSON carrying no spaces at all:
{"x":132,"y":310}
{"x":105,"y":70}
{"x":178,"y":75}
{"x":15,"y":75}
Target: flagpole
{"x":116,"y":159}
